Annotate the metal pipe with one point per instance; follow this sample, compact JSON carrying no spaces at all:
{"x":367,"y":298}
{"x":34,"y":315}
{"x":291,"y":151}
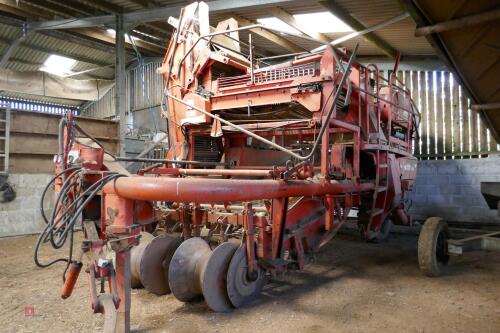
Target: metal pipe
{"x":489,"y":106}
{"x":345,"y":75}
{"x":205,"y":190}
{"x":224,"y":172}
{"x":364,"y":31}
{"x":160,"y":160}
{"x":459,"y":23}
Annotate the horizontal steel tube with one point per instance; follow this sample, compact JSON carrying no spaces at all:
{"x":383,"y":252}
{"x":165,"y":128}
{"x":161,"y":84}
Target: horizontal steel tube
{"x":162,"y":160}
{"x":224,"y":172}
{"x":204,"y":190}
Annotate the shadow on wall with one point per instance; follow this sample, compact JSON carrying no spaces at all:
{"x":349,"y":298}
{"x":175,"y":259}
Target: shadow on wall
{"x":7,"y":193}
{"x":22,"y":215}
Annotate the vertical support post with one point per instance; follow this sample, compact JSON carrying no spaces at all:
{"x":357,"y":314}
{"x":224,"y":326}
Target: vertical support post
{"x":329,"y":216}
{"x":250,"y":237}
{"x":279,"y":209}
{"x":120,"y":110}
{"x":186,"y":221}
{"x":197,"y":220}
{"x":7,"y":139}
{"x":119,"y":214}
{"x":252,"y":79}
{"x":325,"y":147}
{"x":355,"y":161}
{"x":264,"y":243}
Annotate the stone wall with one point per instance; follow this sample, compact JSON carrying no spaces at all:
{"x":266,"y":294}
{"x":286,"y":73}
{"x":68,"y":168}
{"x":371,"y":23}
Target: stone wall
{"x":451,"y":189}
{"x":22,"y":215}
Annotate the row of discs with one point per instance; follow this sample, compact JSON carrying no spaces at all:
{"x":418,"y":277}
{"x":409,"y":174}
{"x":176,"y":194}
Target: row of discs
{"x":150,"y":261}
{"x":190,"y":269}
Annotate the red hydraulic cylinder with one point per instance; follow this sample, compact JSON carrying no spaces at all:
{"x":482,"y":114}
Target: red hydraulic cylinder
{"x":69,"y":284}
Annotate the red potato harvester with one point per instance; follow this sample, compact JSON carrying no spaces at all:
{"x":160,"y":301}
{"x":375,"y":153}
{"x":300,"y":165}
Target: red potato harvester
{"x":266,"y":161}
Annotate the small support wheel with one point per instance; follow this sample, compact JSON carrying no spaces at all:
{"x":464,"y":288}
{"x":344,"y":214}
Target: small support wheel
{"x":433,"y":254}
{"x":376,"y":236}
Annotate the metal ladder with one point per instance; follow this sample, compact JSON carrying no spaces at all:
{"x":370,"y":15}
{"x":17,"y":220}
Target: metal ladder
{"x":4,"y":138}
{"x":378,"y":209}
{"x":377,"y":212}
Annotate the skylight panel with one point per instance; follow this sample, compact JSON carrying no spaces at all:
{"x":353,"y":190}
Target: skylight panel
{"x":321,"y":22}
{"x":58,"y":65}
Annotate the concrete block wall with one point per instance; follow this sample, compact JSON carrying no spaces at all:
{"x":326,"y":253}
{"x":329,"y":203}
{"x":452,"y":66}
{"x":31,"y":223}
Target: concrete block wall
{"x":22,"y":215}
{"x":451,"y":189}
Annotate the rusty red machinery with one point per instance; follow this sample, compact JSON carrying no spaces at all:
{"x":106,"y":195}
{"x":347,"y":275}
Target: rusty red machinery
{"x":267,"y":160}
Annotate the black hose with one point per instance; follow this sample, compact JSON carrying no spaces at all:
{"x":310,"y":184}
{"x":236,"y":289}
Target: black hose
{"x":80,"y":202}
{"x":44,"y":193}
{"x":57,"y":206}
{"x":93,"y":189}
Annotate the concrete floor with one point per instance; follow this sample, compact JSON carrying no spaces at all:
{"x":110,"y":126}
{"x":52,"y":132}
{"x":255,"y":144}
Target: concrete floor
{"x":351,"y":287}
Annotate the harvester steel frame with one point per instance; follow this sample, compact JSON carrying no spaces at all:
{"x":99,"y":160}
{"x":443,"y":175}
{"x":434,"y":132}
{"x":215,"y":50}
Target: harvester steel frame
{"x":247,"y":206}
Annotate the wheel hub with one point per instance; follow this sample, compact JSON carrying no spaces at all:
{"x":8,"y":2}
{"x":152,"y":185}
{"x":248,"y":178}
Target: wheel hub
{"x":240,"y":289}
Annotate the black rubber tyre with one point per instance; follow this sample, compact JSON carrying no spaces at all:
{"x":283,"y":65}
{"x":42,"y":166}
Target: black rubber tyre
{"x":433,"y":254}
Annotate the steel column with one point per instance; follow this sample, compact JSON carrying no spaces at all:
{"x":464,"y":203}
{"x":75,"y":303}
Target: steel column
{"x":120,"y":81}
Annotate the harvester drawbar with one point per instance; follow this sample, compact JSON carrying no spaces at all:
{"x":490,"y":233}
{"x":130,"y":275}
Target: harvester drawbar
{"x":266,"y":161}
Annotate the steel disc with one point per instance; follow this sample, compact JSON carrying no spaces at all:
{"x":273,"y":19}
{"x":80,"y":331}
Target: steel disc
{"x":151,"y":269}
{"x":240,"y":289}
{"x":215,"y":278}
{"x":187,"y":267}
{"x":136,"y":257}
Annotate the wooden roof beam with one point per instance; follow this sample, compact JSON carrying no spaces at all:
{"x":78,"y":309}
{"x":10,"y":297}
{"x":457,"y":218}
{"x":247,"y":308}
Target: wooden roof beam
{"x":278,"y":40}
{"x":291,"y":21}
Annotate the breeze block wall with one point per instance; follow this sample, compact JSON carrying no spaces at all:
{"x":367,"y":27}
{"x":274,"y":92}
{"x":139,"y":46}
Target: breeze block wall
{"x":22,"y":215}
{"x":452,"y":189}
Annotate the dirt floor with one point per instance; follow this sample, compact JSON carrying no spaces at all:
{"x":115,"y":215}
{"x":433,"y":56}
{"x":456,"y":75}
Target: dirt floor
{"x":351,"y":287}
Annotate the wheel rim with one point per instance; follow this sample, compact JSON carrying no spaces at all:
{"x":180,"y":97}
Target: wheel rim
{"x":442,"y":248}
{"x":240,"y":288}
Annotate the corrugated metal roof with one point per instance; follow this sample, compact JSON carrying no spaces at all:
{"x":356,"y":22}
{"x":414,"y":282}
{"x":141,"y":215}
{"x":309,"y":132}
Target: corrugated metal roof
{"x":38,"y":46}
{"x":400,"y":35}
